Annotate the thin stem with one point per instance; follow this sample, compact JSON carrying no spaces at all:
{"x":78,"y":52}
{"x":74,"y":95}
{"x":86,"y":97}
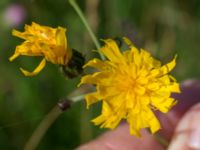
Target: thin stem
{"x":161,"y":140}
{"x":77,"y":98}
{"x":83,"y":19}
{"x":42,"y":128}
{"x":49,"y":119}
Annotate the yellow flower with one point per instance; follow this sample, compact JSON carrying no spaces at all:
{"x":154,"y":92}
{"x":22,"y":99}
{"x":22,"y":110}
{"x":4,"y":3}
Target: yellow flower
{"x":43,"y":41}
{"x":130,"y":85}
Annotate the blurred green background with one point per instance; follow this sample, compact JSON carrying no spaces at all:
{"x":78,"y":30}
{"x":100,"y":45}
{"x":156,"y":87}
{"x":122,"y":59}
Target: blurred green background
{"x":165,"y":28}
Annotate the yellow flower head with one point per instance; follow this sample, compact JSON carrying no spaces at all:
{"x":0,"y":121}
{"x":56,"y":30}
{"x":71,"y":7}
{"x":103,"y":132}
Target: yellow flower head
{"x":43,"y":41}
{"x":130,"y":85}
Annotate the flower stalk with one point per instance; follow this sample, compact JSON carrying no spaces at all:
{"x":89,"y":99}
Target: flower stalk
{"x":42,"y":128}
{"x":83,"y":19}
{"x":48,"y":120}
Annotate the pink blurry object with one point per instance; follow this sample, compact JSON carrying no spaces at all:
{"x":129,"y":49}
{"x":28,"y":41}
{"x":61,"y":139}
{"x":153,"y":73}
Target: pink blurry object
{"x":14,"y":15}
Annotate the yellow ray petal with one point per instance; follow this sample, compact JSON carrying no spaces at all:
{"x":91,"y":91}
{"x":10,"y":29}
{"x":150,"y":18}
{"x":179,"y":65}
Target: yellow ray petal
{"x":60,"y":37}
{"x":96,"y":63}
{"x":128,"y":55}
{"x":94,"y":79}
{"x":61,"y":41}
{"x":151,"y":120}
{"x":175,"y":88}
{"x":102,"y":119}
{"x":14,"y":56}
{"x":168,"y":67}
{"x":37,"y":69}
{"x":134,"y":51}
{"x":128,"y":42}
{"x":92,"y":98}
{"x":99,"y":120}
{"x":163,"y":104}
{"x":27,"y":49}
{"x":18,"y":34}
{"x":111,"y":51}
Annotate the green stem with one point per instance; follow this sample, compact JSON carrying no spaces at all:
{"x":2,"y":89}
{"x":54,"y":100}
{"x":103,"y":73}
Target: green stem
{"x":161,"y":140}
{"x":49,"y":119}
{"x":83,"y":19}
{"x":40,"y":131}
